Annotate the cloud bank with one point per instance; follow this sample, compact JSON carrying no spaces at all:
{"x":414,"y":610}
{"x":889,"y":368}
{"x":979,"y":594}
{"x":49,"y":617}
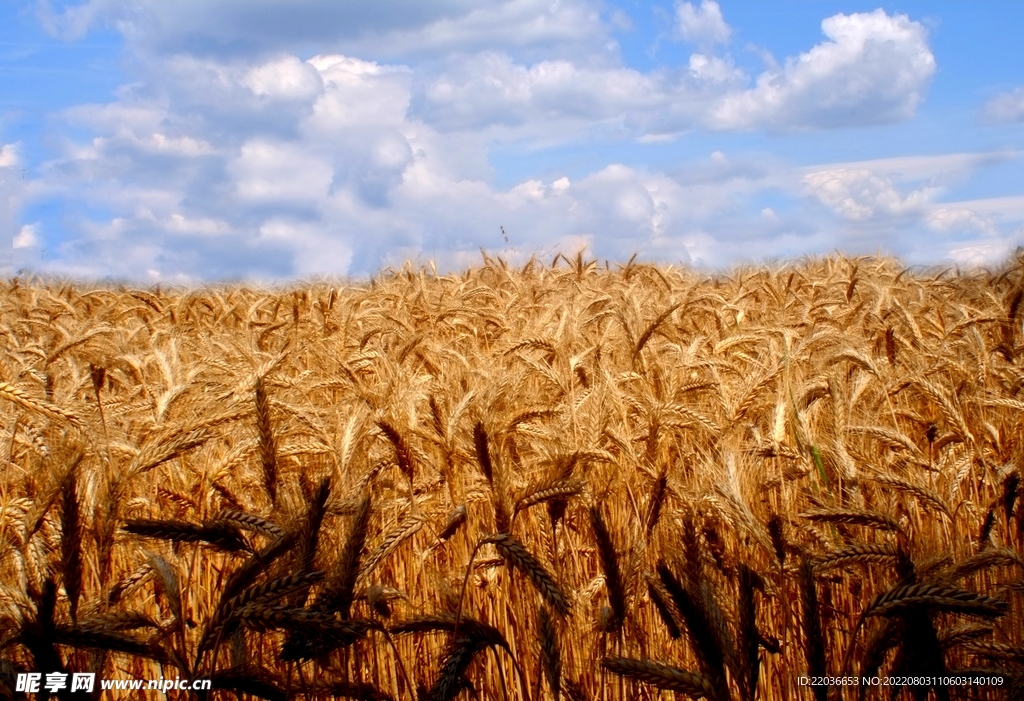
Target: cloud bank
{"x":232,"y":153}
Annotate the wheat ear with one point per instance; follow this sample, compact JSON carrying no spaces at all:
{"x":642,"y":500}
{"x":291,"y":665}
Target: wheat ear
{"x":662,"y":676}
{"x":900,"y":599}
{"x":520,"y":558}
{"x":220,"y":534}
{"x":406,"y":528}
{"x":854,"y":517}
{"x":858,"y":553}
{"x":225,"y":617}
{"x":267,"y":443}
{"x":19,"y":397}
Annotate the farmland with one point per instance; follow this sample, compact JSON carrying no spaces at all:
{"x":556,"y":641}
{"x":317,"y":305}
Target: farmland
{"x":564,"y":480}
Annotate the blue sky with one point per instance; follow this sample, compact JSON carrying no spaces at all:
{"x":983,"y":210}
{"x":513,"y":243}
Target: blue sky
{"x":206,"y":140}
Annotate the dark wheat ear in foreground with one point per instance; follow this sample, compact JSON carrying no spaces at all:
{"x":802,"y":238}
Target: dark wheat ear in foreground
{"x":552,"y":481}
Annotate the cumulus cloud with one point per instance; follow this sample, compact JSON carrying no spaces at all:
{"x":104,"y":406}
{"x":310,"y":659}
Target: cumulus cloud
{"x":230,"y":154}
{"x":702,"y":25}
{"x":285,"y":78}
{"x":873,"y":69}
{"x":27,"y":236}
{"x":1005,"y":108}
{"x":859,"y":193}
{"x":347,"y":190}
{"x":279,"y":174}
{"x":490,"y":89}
{"x":335,"y":176}
{"x":553,"y":101}
{"x":513,"y":62}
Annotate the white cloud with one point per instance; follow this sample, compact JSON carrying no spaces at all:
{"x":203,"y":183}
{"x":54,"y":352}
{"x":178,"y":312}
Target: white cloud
{"x":315,"y":251}
{"x":982,"y":253}
{"x":954,"y":219}
{"x":217,"y":161}
{"x":350,"y":199}
{"x":882,"y":190}
{"x":153,"y":143}
{"x":27,"y":236}
{"x":703,"y":26}
{"x":357,"y":94}
{"x":873,"y":69}
{"x":279,"y":173}
{"x":978,"y":232}
{"x":1007,"y":107}
{"x":712,"y":69}
{"x":284,"y":78}
{"x":859,"y":193}
{"x":8,"y":156}
{"x":491,"y":89}
{"x":559,"y":101}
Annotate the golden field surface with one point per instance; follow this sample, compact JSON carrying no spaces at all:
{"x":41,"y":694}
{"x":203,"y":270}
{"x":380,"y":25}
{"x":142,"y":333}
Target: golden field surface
{"x":552,"y":482}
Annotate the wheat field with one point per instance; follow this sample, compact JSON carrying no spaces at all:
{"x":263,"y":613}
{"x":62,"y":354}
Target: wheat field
{"x":565,"y":480}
